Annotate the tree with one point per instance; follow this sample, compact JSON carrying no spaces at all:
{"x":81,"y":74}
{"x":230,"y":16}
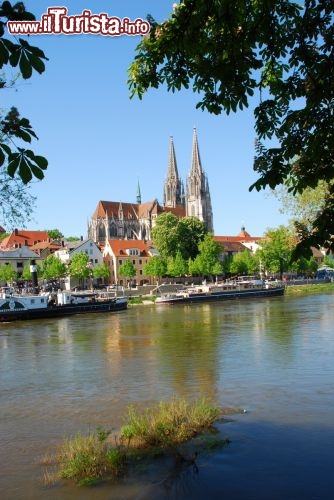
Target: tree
{"x":127,"y":270}
{"x":177,"y":266}
{"x":206,"y":262}
{"x":7,"y":273}
{"x":244,"y":263}
{"x":305,"y":207}
{"x":191,"y":231}
{"x":101,"y":271}
{"x":17,"y":164}
{"x":55,"y":234}
{"x":26,"y":274}
{"x":17,"y":204}
{"x":156,"y":267}
{"x":172,"y":234}
{"x":52,"y":267}
{"x":276,"y":249}
{"x":282,"y":50}
{"x":13,"y":128}
{"x":165,"y":234}
{"x":79,"y":266}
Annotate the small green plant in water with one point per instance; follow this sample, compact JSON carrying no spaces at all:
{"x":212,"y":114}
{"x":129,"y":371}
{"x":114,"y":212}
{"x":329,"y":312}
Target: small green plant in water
{"x":168,"y":423}
{"x":88,"y":459}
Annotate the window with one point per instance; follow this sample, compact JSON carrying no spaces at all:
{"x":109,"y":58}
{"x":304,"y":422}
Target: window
{"x":140,"y":261}
{"x":133,"y":251}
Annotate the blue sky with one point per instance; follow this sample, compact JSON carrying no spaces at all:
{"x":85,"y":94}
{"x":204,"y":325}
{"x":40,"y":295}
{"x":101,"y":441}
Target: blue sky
{"x":99,"y":143}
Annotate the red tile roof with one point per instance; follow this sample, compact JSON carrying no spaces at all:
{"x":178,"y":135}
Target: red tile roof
{"x":134,"y":210}
{"x":24,"y":238}
{"x":119,"y":247}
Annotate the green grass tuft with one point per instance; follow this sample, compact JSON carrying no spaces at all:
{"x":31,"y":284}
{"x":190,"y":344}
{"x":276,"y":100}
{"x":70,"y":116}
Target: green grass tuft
{"x":168,"y":423}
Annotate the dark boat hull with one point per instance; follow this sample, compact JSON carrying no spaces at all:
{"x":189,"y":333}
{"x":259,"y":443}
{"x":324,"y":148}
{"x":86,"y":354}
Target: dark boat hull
{"x":62,"y":311}
{"x":246,"y":293}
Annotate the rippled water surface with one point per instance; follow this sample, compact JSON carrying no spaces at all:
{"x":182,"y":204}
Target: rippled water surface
{"x":275,"y":358}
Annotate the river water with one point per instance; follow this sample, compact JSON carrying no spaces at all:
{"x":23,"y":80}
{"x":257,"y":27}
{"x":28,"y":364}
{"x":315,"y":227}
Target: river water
{"x":272,"y":357}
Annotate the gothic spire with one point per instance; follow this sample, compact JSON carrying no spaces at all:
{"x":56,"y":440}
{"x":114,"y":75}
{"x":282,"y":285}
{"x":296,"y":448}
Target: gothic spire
{"x":172,"y":165}
{"x":138,"y":197}
{"x":198,"y":200}
{"x":196,"y":165}
{"x":172,"y":187}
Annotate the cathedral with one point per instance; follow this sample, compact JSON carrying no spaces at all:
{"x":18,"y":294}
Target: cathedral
{"x":118,"y":220}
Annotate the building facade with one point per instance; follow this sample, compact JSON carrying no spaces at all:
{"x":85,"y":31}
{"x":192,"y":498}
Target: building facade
{"x":134,"y":221}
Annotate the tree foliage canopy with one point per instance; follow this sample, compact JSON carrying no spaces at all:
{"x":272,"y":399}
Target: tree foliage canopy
{"x":280,"y":52}
{"x":79,"y":266}
{"x":155,"y":266}
{"x":127,"y":269}
{"x":15,"y":130}
{"x":52,"y":267}
{"x":171,"y":235}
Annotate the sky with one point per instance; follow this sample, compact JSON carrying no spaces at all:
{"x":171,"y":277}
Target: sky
{"x":100,"y":143}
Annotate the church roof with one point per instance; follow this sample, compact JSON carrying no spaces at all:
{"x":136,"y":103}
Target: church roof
{"x":179,"y":211}
{"x":111,"y":208}
{"x":134,"y":210}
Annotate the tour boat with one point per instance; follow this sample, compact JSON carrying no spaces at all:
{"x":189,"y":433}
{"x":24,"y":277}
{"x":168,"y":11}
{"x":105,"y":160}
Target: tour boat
{"x":242,"y":289}
{"x":22,"y":307}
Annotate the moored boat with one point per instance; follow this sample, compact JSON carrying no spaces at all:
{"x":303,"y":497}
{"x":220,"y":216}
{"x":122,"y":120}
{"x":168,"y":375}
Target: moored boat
{"x":226,"y":291}
{"x":24,"y":307}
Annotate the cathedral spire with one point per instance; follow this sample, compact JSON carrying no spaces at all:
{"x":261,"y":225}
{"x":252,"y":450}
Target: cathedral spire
{"x":196,"y":165}
{"x":198,"y":200}
{"x":138,"y":197}
{"x":172,"y":186}
{"x":172,"y":165}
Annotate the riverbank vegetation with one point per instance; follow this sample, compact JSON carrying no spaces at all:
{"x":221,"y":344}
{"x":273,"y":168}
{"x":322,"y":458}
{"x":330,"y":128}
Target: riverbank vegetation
{"x":157,"y":431}
{"x":309,"y":289}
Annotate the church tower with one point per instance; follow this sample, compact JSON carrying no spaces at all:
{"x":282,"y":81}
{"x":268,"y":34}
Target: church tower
{"x":198,"y":200}
{"x":173,"y":188}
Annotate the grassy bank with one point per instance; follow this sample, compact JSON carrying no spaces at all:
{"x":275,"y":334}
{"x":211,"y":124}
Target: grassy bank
{"x":309,"y":289}
{"x":141,"y":299}
{"x":157,"y":431}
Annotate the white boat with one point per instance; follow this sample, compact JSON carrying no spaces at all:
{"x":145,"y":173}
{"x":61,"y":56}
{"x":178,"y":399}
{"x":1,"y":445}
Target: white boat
{"x":21,"y":307}
{"x":241,"y":289}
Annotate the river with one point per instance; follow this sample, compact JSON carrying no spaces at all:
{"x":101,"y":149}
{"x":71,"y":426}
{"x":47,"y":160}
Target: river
{"x":274,"y":358}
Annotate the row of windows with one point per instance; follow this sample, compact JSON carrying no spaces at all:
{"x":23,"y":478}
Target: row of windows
{"x":133,"y":262}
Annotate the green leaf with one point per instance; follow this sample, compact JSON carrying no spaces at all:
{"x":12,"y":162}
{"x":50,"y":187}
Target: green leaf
{"x":41,"y":162}
{"x":25,"y":67}
{"x":13,"y":164}
{"x":4,"y":54}
{"x":37,"y":63}
{"x":36,"y":51}
{"x":15,"y":57}
{"x":38,"y":173}
{"x":25,"y":136}
{"x":5,"y":148}
{"x":25,"y":171}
